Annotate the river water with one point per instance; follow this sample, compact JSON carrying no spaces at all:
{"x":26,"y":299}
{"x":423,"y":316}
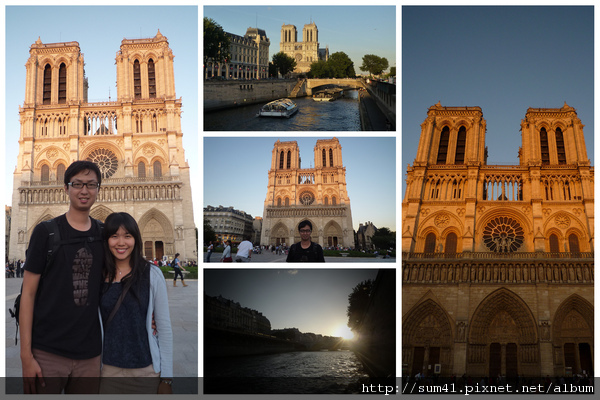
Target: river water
{"x":339,"y":115}
{"x":296,"y":372}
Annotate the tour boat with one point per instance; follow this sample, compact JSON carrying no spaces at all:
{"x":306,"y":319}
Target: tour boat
{"x":328,"y":95}
{"x":278,"y":108}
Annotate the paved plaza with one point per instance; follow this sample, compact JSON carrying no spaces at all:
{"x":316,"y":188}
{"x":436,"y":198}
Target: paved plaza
{"x":183,"y":308}
{"x":269,"y":257}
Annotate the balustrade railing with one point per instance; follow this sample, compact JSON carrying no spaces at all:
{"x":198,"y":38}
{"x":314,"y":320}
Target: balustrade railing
{"x":488,"y":255}
{"x":540,"y":267}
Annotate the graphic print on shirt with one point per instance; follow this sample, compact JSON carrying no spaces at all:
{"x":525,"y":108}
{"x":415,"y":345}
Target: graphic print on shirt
{"x":82,"y":265}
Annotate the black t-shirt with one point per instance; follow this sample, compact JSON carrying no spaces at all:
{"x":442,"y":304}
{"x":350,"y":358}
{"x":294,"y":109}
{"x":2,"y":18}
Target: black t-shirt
{"x":314,"y":253}
{"x":65,"y":316}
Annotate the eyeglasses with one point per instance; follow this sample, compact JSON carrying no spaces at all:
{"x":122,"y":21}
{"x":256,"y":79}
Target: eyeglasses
{"x":80,"y":185}
{"x":305,"y":231}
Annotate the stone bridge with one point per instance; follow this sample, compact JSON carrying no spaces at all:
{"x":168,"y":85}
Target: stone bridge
{"x":313,"y":85}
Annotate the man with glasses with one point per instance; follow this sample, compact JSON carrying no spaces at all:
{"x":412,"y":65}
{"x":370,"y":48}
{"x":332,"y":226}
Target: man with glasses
{"x":60,"y":329}
{"x":306,"y":250}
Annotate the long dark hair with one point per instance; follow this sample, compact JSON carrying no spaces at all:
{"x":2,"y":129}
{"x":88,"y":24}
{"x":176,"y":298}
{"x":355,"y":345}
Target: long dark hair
{"x":137,"y":262}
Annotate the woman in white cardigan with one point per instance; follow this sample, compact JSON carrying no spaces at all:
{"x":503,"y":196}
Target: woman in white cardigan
{"x":135,"y":360}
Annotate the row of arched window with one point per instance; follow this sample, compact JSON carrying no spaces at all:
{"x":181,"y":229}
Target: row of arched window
{"x":324,"y":154}
{"x":459,"y":153}
{"x":142,"y":171}
{"x":156,"y":170}
{"x":450,"y":244}
{"x":288,"y":161}
{"x":62,"y":84}
{"x":545,"y":146}
{"x":326,"y":201}
{"x":572,"y":242}
{"x":60,"y":173}
{"x":137,"y":79}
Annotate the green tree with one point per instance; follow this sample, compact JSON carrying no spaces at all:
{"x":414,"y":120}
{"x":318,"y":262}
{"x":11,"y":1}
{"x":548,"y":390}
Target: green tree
{"x":383,"y":238}
{"x":272,"y":70}
{"x":283,"y":63}
{"x":341,"y":65}
{"x":373,"y":64}
{"x":216,"y":42}
{"x":209,"y":233}
{"x":319,"y":69}
{"x":358,"y":301}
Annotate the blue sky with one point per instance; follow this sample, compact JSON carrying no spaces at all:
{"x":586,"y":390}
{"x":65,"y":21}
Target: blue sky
{"x":99,"y":31}
{"x":354,"y":30}
{"x":236,"y":174}
{"x":503,"y":59}
{"x":312,"y":300}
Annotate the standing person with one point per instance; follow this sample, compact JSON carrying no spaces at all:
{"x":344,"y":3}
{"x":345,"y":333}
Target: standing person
{"x":226,"y":256}
{"x":209,"y":252}
{"x":61,"y":337}
{"x":134,"y":292}
{"x":177,"y":267}
{"x":244,"y":250}
{"x":306,"y":250}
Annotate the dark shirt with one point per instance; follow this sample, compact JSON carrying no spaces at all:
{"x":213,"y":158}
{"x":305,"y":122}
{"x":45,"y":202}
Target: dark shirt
{"x":314,"y":253}
{"x":126,"y":337}
{"x":65,"y":316}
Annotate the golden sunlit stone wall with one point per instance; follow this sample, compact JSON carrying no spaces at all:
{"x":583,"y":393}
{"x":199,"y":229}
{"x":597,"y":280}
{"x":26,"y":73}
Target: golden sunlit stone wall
{"x":498,"y":259}
{"x":136,"y":141}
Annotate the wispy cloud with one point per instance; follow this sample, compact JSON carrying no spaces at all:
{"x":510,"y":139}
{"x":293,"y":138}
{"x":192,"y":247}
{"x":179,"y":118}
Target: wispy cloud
{"x":293,"y":271}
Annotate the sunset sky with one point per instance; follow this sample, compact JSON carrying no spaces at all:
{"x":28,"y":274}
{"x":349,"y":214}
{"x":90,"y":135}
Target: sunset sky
{"x":312,"y":300}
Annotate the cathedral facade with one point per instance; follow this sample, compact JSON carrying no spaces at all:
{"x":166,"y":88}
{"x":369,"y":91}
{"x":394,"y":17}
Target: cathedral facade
{"x":305,"y":52}
{"x":318,"y":194}
{"x":498,"y":269}
{"x":136,"y":141}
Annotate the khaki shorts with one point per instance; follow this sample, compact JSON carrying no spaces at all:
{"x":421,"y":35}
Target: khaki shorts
{"x":129,"y":380}
{"x":68,"y":375}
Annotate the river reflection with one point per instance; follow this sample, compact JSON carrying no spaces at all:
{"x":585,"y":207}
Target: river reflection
{"x":295,"y":372}
{"x":339,"y":115}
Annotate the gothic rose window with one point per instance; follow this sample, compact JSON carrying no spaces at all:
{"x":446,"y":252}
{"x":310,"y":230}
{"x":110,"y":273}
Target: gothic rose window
{"x":307,"y":198}
{"x":105,"y":160}
{"x":503,"y":235}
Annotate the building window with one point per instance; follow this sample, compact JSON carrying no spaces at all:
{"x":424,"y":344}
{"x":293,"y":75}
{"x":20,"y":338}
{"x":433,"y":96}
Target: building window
{"x":451,"y":240}
{"x":330,"y":158}
{"x":279,"y":201}
{"x":157,"y":169}
{"x":141,"y":169}
{"x":324,"y":158}
{"x":461,"y":139}
{"x":544,"y":146}
{"x":429,"y":243}
{"x":60,"y":172}
{"x":553,"y":241}
{"x":443,"y":147}
{"x":281,"y":160}
{"x":503,"y":235}
{"x":151,"y":79}
{"x":287,"y":201}
{"x":333,"y":201}
{"x":560,"y":147}
{"x":289,"y":159}
{"x":62,"y":84}
{"x":47,"y":93}
{"x":326,"y":201}
{"x":137,"y":80}
{"x":573,"y":243}
{"x":45,"y":173}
